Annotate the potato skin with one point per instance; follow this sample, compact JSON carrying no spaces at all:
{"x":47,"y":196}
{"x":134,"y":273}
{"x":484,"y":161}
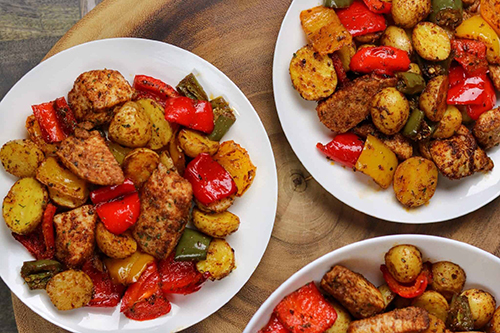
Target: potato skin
{"x":114,"y":246}
{"x":397,"y":37}
{"x":343,"y":318}
{"x":451,"y":121}
{"x":130,"y":127}
{"x":433,"y":99}
{"x":449,"y":278}
{"x":21,"y":158}
{"x":431,"y":41}
{"x":390,"y":110}
{"x":70,"y":289}
{"x":220,"y":260}
{"x":217,"y":225}
{"x":24,"y":205}
{"x":407,"y":13}
{"x":194,"y":143}
{"x":312,"y":74}
{"x":415,"y":181}
{"x":404,"y":262}
{"x":482,"y":305}
{"x":139,"y":164}
{"x":434,"y":303}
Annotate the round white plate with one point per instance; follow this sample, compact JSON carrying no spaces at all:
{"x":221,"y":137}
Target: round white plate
{"x":54,"y":78}
{"x":365,"y":257}
{"x":304,"y":130}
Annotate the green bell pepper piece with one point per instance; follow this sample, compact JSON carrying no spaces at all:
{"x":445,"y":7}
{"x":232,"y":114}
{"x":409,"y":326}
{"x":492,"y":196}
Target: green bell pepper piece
{"x":37,"y":273}
{"x":190,"y":87}
{"x":223,"y":118}
{"x":410,"y":83}
{"x":338,"y":3}
{"x":446,"y":13}
{"x":192,"y":246}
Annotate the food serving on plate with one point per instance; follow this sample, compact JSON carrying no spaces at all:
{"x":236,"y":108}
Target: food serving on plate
{"x":108,"y":182}
{"x":408,"y":88}
{"x":417,"y":297}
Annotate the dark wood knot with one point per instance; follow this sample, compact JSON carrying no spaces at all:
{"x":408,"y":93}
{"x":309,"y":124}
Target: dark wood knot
{"x":299,"y":183}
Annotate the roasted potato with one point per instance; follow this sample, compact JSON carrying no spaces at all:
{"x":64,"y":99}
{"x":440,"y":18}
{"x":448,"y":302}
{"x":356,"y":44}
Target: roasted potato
{"x":217,"y":225}
{"x":24,"y":205}
{"x":415,"y":181}
{"x":370,"y":38}
{"x":345,"y":54}
{"x":486,"y":130}
{"x":114,"y":246}
{"x":194,"y":143}
{"x":130,"y":126}
{"x":434,"y":303}
{"x":220,"y":260}
{"x":436,"y":325}
{"x":397,"y":37}
{"x":70,"y":289}
{"x":494,"y":73}
{"x":64,"y":200}
{"x":404,"y":262}
{"x":235,"y":159}
{"x":161,"y":130}
{"x":387,"y":294}
{"x":21,"y":158}
{"x":449,"y":278}
{"x":119,"y":152}
{"x":140,"y":164}
{"x":53,"y":175}
{"x":390,"y":111}
{"x":312,"y":74}
{"x":451,"y":121}
{"x":218,"y":206}
{"x":494,"y":324}
{"x":166,"y":160}
{"x":343,"y":318}
{"x":364,"y":46}
{"x":35,"y":134}
{"x":482,"y":306}
{"x":177,"y":155}
{"x":433,"y":99}
{"x":431,"y":41}
{"x":407,"y":13}
{"x":489,"y":11}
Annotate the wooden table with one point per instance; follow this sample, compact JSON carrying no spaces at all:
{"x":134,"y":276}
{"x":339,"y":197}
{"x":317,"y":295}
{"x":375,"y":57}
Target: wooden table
{"x":238,"y":36}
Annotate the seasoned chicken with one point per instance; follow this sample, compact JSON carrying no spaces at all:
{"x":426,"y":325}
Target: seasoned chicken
{"x":96,"y":93}
{"x":165,"y":203}
{"x":358,"y":295}
{"x":399,"y":144}
{"x":407,"y":320}
{"x":495,"y":75}
{"x":89,"y":158}
{"x":75,"y":235}
{"x":487,"y":129}
{"x":351,"y":105}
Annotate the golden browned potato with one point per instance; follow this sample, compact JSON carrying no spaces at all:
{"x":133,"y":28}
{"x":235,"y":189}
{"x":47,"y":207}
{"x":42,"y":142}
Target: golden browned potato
{"x":140,"y":164}
{"x":345,"y":54}
{"x":119,"y":152}
{"x":114,"y":246}
{"x":364,"y":46}
{"x":370,"y":38}
{"x":35,"y":135}
{"x":64,"y":200}
{"x":177,"y":155}
{"x":434,"y":303}
{"x":194,"y":143}
{"x":166,"y":160}
{"x":217,"y":225}
{"x":397,"y":37}
{"x":236,"y":160}
{"x":312,"y":74}
{"x":70,"y":289}
{"x":448,"y":278}
{"x":220,"y":260}
{"x":451,"y":121}
{"x":482,"y":306}
{"x":21,"y":158}
{"x":415,"y":181}
{"x":218,"y":206}
{"x":414,"y":68}
{"x":343,"y":318}
{"x":433,"y":99}
{"x":494,"y":324}
{"x":404,"y":262}
{"x":130,"y":126}
{"x":431,"y":41}
{"x":390,"y":110}
{"x":387,"y":294}
{"x":407,"y":13}
{"x":161,"y":130}
{"x":486,"y":130}
{"x":436,"y":325}
{"x":24,"y":205}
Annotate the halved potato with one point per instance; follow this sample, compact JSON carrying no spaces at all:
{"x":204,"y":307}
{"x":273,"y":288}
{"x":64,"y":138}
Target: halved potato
{"x":140,"y":164}
{"x":431,"y":41}
{"x":64,"y":200}
{"x":162,"y":131}
{"x":130,"y":126}
{"x":70,"y":289}
{"x":220,"y":260}
{"x":194,"y":143}
{"x":218,"y":206}
{"x":217,"y":225}
{"x":55,"y":176}
{"x":415,"y":181}
{"x":114,"y":246}
{"x":21,"y":158}
{"x":451,"y":121}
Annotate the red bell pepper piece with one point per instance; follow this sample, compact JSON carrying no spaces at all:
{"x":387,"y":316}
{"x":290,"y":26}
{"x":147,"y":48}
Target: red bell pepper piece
{"x":119,"y":214}
{"x":65,"y":116}
{"x":408,"y":291}
{"x":359,"y":20}
{"x":48,"y":231}
{"x":339,"y":69}
{"x":33,"y":242}
{"x":274,"y":326}
{"x":106,"y":293}
{"x":344,"y":148}
{"x":155,"y":86}
{"x":197,"y":115}
{"x":210,"y":181}
{"x":50,"y":127}
{"x":488,"y":101}
{"x":379,"y":6}
{"x":306,"y":311}
{"x":471,"y":54}
{"x":108,"y":193}
{"x":153,"y":307}
{"x":179,"y":277}
{"x":381,"y":60}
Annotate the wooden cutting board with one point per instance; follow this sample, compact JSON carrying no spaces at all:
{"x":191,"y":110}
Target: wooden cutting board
{"x":238,"y":36}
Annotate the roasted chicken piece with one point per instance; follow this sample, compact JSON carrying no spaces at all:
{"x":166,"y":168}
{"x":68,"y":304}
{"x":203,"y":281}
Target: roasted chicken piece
{"x":495,"y":75}
{"x":398,"y":143}
{"x":407,"y":320}
{"x":487,"y":129}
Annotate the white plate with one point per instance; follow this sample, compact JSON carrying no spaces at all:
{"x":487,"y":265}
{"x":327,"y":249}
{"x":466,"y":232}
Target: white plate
{"x":365,"y":257}
{"x":54,"y":78}
{"x":304,"y":130}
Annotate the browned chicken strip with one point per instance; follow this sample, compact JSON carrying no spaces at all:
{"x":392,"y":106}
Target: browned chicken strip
{"x":351,"y":105}
{"x":407,"y":320}
{"x":165,"y":203}
{"x":358,"y":295}
{"x":398,"y":143}
{"x":90,"y":159}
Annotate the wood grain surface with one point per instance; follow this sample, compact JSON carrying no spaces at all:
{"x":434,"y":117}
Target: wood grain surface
{"x":238,"y":36}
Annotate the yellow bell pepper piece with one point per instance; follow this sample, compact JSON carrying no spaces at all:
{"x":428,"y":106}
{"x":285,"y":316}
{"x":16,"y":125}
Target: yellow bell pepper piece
{"x":478,"y":29}
{"x":128,"y":270}
{"x":377,"y":161}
